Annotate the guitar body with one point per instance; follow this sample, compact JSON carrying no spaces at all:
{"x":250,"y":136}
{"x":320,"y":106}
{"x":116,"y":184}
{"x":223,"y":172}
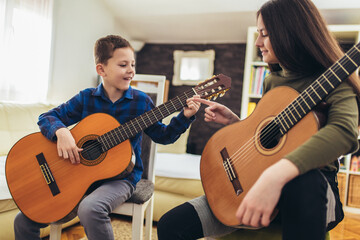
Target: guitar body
{"x":240,"y":142}
{"x":29,"y":182}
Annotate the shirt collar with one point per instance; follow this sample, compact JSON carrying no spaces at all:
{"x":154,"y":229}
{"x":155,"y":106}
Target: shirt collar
{"x":99,"y":91}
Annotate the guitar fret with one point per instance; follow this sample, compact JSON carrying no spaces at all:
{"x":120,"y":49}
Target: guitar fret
{"x":154,"y":114}
{"x":322,"y":87}
{"x":162,"y":116}
{"x":282,"y":132}
{"x":106,"y":143}
{"x":335,"y":75}
{"x":117,"y":136}
{"x":128,"y":127}
{"x":310,"y":97}
{"x":287,"y":116}
{"x":132,"y":123}
{"x":112,"y":139}
{"x":328,"y":81}
{"x":194,"y":91}
{"x":305,"y":102}
{"x":297,"y":110}
{"x":282,"y":125}
{"x":357,"y":48}
{"x":315,"y":92}
{"x":186,"y":95}
{"x":147,"y":114}
{"x":167,"y":109}
{"x":180,"y":101}
{"x":300,"y":106}
{"x":125,"y":131}
{"x":118,"y":131}
{"x":101,"y":142}
{"x":143,"y":121}
{"x":343,"y":68}
{"x":173,"y":104}
{"x":284,"y":121}
{"x":295,"y":119}
{"x":351,"y":59}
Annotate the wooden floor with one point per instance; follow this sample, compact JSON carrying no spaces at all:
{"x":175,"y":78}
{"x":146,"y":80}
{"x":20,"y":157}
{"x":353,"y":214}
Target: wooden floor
{"x":348,"y":229}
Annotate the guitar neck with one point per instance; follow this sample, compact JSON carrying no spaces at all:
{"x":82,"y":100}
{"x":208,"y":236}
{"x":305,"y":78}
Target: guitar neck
{"x":138,"y":124}
{"x":318,"y":90}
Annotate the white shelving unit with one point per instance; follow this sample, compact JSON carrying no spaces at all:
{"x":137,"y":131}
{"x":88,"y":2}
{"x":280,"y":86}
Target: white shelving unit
{"x":349,"y":181}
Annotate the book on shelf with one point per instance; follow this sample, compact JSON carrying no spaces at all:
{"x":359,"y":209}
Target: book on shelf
{"x":355,"y":163}
{"x":257,"y":76}
{"x":342,"y":163}
{"x":251,"y":107}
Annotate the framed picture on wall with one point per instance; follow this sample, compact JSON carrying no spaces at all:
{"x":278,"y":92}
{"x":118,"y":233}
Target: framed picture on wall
{"x":192,"y":67}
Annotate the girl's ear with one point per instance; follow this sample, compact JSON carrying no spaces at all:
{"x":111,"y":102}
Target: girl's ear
{"x":100,"y":69}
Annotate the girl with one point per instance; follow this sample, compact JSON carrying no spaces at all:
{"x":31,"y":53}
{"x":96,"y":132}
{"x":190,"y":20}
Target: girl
{"x":298,"y":47}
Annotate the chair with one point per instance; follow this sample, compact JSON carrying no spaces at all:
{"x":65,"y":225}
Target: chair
{"x":140,"y":204}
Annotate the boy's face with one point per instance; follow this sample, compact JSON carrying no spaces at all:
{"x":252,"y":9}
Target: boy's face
{"x":119,"y":71}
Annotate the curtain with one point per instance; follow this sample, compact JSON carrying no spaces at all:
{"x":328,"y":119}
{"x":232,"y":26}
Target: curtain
{"x":25,"y":46}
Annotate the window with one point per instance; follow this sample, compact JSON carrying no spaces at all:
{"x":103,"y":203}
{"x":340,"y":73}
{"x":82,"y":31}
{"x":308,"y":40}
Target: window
{"x":25,"y":43}
{"x":192,"y":67}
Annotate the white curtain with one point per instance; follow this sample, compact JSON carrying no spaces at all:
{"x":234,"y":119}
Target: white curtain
{"x":25,"y":45}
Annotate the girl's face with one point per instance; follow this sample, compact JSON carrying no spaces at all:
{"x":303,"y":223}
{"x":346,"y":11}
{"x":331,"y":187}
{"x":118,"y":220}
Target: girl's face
{"x":264,"y":44}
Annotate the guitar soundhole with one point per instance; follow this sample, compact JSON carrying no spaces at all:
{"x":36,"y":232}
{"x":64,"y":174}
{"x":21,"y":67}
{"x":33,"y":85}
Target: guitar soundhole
{"x":270,"y":135}
{"x":92,"y":150}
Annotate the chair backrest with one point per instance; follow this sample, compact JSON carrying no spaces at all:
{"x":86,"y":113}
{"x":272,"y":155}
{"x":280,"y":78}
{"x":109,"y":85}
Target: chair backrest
{"x":154,"y":86}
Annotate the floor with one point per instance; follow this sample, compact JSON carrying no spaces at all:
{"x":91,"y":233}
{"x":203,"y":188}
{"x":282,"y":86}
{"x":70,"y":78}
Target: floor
{"x":348,"y":229}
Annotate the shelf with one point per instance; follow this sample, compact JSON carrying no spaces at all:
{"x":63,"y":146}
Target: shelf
{"x":255,"y":96}
{"x":259,"y":64}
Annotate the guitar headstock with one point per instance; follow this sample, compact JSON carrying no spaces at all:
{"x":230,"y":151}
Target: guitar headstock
{"x":213,"y":87}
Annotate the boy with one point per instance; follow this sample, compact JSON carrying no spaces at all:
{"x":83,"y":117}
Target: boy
{"x":115,"y":63}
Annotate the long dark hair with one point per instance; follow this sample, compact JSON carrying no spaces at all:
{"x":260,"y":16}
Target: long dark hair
{"x":300,"y":38}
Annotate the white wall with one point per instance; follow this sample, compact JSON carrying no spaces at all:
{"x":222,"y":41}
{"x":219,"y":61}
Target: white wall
{"x":77,"y":25}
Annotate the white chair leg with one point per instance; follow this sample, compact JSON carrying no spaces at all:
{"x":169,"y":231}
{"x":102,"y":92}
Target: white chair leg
{"x":149,"y":219}
{"x":138,"y":222}
{"x":55,"y":231}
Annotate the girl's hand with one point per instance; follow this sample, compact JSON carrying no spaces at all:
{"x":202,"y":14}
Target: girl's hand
{"x":66,"y":146}
{"x":259,"y":203}
{"x":216,"y":112}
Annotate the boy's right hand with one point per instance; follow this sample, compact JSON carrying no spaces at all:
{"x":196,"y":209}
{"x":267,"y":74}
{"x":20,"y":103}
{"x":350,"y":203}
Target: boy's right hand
{"x":66,"y":146}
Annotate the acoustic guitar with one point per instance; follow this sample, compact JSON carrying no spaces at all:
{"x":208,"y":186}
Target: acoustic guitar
{"x":236,"y":155}
{"x":46,"y":188}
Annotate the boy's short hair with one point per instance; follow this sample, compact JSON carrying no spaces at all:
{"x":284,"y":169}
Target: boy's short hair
{"x":105,"y":47}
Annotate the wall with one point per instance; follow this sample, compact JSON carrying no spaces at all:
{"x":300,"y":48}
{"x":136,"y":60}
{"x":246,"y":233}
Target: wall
{"x":77,"y":25}
{"x":229,"y":60}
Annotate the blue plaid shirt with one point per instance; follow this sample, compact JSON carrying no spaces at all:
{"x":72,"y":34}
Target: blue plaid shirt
{"x":132,"y":104}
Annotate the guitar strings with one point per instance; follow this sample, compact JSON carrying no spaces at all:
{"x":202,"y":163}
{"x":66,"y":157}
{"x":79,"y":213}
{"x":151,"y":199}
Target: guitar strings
{"x":241,"y":155}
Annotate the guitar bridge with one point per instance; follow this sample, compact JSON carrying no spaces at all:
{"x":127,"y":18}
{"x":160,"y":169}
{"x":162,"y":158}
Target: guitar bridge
{"x":231,"y":172}
{"x":48,"y":176}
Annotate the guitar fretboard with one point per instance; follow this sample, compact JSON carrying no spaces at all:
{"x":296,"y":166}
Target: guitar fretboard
{"x":138,"y":124}
{"x":318,"y":90}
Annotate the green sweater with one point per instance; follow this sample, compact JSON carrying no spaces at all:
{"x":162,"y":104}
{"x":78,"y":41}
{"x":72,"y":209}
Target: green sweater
{"x":337,"y":137}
